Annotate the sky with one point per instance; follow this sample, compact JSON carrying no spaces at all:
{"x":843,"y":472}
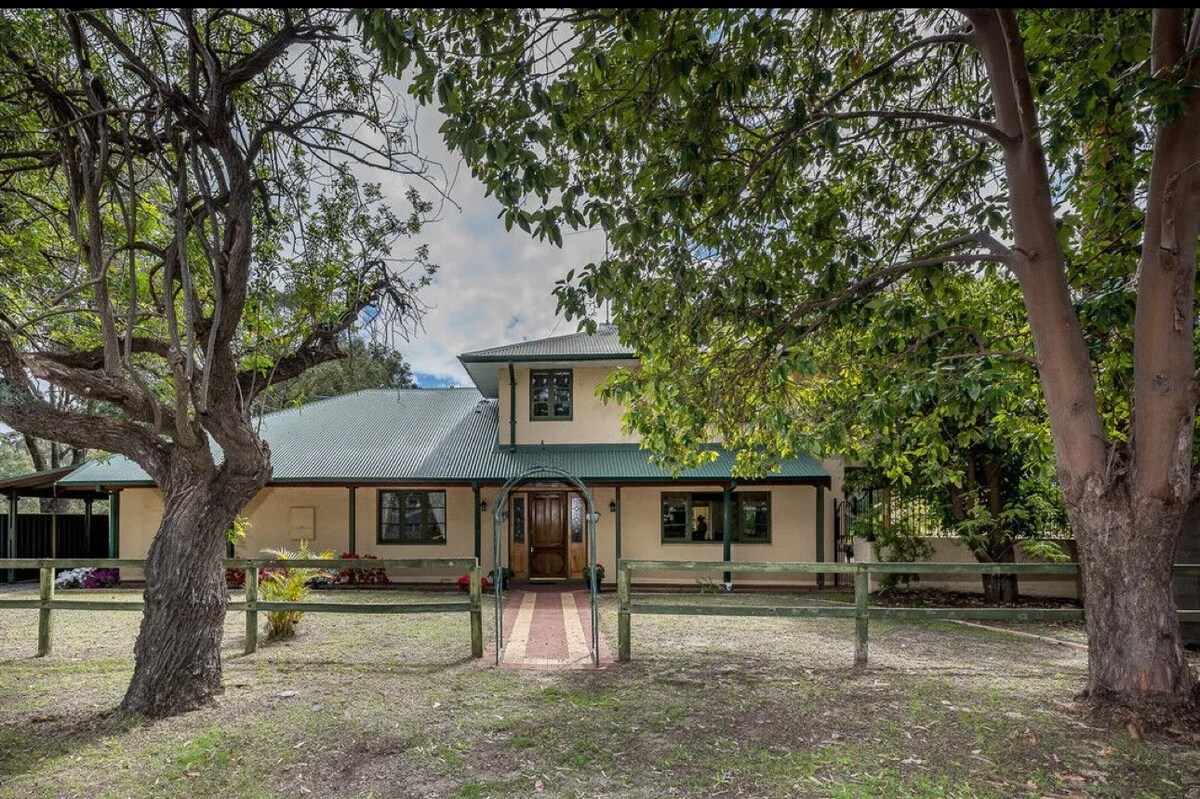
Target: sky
{"x":493,"y":286}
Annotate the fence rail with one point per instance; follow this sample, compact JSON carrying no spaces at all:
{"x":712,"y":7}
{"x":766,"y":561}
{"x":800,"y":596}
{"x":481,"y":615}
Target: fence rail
{"x":861,"y":611}
{"x":251,"y":605}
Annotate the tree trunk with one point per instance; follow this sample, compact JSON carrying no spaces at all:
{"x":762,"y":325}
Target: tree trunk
{"x":1126,"y":551}
{"x":177,"y":655}
{"x":1002,"y":589}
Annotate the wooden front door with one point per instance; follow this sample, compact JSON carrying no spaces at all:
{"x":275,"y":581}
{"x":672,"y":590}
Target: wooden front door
{"x":548,"y":535}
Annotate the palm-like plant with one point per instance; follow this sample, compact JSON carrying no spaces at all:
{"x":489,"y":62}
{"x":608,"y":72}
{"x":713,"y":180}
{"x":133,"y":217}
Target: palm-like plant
{"x":289,"y":584}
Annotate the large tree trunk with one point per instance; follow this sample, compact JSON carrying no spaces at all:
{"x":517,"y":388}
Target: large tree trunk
{"x":1126,"y":548}
{"x":178,"y":651}
{"x":1125,"y":499}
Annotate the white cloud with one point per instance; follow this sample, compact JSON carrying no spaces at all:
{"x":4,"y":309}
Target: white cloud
{"x":493,"y":286}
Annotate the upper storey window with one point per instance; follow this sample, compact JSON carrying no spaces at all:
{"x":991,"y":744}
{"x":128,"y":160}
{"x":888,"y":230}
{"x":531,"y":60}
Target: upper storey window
{"x":550,"y":394}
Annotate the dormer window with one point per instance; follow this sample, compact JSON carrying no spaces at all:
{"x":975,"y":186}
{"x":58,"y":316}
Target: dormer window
{"x":550,"y":393}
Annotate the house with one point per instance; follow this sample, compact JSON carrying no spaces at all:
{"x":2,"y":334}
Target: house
{"x":417,"y":474}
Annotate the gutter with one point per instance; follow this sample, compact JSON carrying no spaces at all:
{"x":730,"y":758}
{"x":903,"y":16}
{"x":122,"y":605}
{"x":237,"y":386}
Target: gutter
{"x":512,"y":408}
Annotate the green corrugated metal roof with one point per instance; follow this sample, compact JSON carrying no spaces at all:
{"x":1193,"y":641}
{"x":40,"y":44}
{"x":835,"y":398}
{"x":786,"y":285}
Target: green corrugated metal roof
{"x":428,"y":435}
{"x":602,"y":346}
{"x":604,"y":343}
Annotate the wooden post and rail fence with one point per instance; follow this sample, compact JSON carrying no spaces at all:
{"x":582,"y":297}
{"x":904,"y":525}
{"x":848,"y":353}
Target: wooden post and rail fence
{"x":862,"y":612}
{"x":251,"y":605}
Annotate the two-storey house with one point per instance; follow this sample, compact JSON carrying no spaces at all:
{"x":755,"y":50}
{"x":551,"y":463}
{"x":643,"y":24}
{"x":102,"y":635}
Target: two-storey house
{"x":416,"y":473}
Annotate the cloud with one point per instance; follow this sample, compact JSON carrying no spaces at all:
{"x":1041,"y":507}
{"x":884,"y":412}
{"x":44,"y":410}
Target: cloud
{"x":493,"y":286}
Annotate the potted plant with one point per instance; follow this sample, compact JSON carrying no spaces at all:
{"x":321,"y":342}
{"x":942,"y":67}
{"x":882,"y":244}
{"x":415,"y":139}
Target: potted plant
{"x":506,"y":574}
{"x":598,"y":575}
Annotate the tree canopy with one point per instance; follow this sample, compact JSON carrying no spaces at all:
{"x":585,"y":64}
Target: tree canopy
{"x":186,"y":218}
{"x":767,"y":177}
{"x":367,"y":364}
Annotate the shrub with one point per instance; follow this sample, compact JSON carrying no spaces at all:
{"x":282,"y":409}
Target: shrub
{"x":354,"y":576}
{"x":464,"y":583}
{"x":285,"y":584}
{"x":87,"y":578}
{"x":235,"y":578}
{"x":102,"y":578}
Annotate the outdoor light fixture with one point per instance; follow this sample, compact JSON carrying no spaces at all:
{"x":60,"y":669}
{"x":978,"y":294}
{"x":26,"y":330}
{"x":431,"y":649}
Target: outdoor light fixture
{"x":612,"y":506}
{"x":483,"y":505}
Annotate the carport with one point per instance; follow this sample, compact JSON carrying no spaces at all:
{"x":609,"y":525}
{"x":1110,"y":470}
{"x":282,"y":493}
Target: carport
{"x":53,"y":535}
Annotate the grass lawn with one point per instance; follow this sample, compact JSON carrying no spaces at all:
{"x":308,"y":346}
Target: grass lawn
{"x":375,"y":706}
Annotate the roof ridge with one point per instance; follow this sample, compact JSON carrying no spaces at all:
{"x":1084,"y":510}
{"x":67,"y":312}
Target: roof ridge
{"x":604,"y":327}
{"x":356,"y":392}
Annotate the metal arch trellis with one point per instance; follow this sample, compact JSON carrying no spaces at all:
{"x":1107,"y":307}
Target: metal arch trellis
{"x":501,"y":515}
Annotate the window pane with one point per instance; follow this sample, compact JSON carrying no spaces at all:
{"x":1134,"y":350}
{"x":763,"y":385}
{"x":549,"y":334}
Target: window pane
{"x":518,"y":520}
{"x":550,"y":394}
{"x":754,"y":517}
{"x":389,"y":516}
{"x":412,"y":517}
{"x":562,"y":393}
{"x":576,"y":520}
{"x":702,"y":518}
{"x":435,"y":531}
{"x":674,"y":517}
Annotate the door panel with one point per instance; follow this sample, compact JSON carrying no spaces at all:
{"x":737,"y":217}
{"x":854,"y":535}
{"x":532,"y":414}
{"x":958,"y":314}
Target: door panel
{"x":547,"y":536}
{"x":518,"y":523}
{"x":577,"y":527}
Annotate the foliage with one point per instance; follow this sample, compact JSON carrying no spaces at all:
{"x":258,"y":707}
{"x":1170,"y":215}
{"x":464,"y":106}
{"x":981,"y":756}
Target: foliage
{"x":355,"y":576}
{"x":773,"y":182}
{"x":587,"y":572}
{"x":14,"y":457}
{"x":365,"y":365}
{"x":235,"y":578}
{"x":769,"y":179}
{"x":187,"y":216}
{"x":288,"y":584}
{"x":464,"y":583}
{"x":88,"y":578}
{"x":897,"y":541}
{"x":237,"y":531}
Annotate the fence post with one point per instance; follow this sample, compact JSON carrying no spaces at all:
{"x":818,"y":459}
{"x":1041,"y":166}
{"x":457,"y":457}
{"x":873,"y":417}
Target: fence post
{"x":251,"y":609}
{"x":45,"y":623}
{"x":622,"y":613}
{"x":477,"y":610}
{"x":862,"y":590}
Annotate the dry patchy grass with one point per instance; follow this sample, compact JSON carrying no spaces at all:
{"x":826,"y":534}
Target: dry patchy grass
{"x":376,"y":706}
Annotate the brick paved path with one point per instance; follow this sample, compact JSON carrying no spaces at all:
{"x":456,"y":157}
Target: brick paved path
{"x":548,"y":627}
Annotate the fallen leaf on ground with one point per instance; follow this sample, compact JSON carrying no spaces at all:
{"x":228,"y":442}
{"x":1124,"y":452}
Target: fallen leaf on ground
{"x":1107,"y":751}
{"x":1135,"y":731}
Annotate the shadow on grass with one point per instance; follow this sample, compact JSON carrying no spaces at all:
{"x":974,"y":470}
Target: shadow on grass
{"x":27,"y":743}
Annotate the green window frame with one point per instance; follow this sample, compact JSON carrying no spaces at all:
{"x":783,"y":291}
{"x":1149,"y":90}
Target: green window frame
{"x":681,"y":512}
{"x":551,"y":395}
{"x":410,"y":517}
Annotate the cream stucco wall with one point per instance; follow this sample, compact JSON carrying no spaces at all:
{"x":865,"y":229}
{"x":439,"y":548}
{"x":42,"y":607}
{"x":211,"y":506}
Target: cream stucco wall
{"x":951,"y":550}
{"x":592,"y":420}
{"x":141,"y":511}
{"x":793,"y":535}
